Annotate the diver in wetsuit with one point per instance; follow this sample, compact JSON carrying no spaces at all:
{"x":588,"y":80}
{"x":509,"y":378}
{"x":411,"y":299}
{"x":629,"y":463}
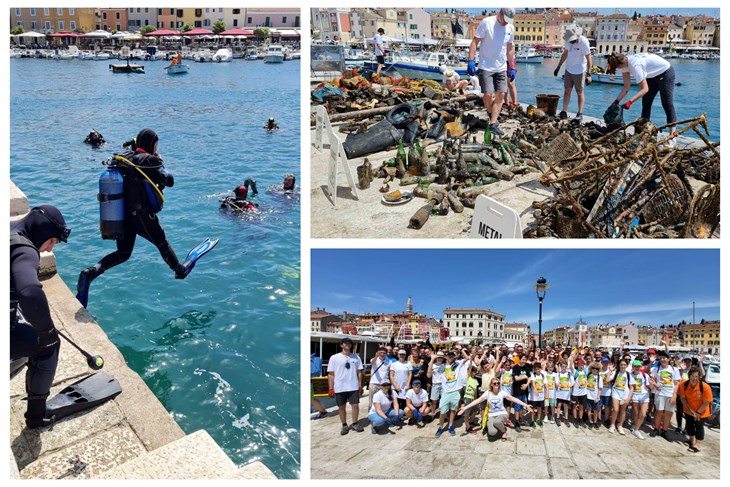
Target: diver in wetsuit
{"x":271,"y":124}
{"x":238,"y":202}
{"x":94,"y":139}
{"x":32,"y":333}
{"x":290,"y":182}
{"x":142,"y":201}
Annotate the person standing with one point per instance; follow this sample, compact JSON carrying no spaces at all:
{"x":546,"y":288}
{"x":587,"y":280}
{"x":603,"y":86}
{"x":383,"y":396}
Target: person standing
{"x":696,"y":397}
{"x":401,"y":373}
{"x":665,"y":380}
{"x":344,"y":374}
{"x":379,"y":49}
{"x":315,"y":370}
{"x":380,"y":372}
{"x":578,"y":65}
{"x":449,"y":402}
{"x":495,"y":38}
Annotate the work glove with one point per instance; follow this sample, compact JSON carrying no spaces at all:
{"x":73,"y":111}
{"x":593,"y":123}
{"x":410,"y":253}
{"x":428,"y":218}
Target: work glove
{"x":589,"y":80}
{"x":512,"y":74}
{"x":47,"y":338}
{"x":626,"y":105}
{"x":389,"y":422}
{"x":360,"y":390}
{"x":331,"y":393}
{"x":555,"y":73}
{"x":471,"y":68}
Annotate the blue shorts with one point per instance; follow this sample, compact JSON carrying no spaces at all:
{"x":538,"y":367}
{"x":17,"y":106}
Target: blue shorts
{"x":592,"y":405}
{"x":517,"y":407}
{"x":606,"y":402}
{"x":449,"y":401}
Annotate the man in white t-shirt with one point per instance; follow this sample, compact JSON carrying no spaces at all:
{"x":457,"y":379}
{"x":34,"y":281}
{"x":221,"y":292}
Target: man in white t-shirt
{"x":495,"y":38}
{"x":344,"y":374}
{"x":578,"y":65}
{"x":452,"y":81}
{"x":379,"y":372}
{"x":379,"y":49}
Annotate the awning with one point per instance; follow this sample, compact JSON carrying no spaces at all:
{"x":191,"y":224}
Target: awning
{"x":31,"y":34}
{"x":198,"y":32}
{"x":237,"y":32}
{"x":162,"y":32}
{"x":286,"y":33}
{"x":99,"y":34}
{"x":65,"y":34}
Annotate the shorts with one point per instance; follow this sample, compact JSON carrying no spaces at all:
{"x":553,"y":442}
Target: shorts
{"x":519,"y":408}
{"x":435,"y":392}
{"x":537,"y":404}
{"x":552,"y":401}
{"x":449,"y":402}
{"x":661,"y":403}
{"x":580,"y":400}
{"x":352,"y":397}
{"x":563,"y":401}
{"x":380,"y":59}
{"x":592,"y":405}
{"x":493,"y":82}
{"x":619,"y":397}
{"x":606,"y":401}
{"x":577,"y":80}
{"x":402,"y":404}
{"x":640,"y":398}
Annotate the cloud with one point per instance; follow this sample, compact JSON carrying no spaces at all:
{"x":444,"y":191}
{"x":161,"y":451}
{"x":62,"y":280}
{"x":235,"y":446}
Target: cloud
{"x":375,"y":297}
{"x":518,"y":281}
{"x":341,"y":297}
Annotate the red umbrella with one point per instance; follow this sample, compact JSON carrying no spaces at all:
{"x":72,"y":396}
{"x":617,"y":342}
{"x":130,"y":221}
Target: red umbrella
{"x":162,"y":32}
{"x":198,"y":32}
{"x":237,"y":32}
{"x":65,"y":34}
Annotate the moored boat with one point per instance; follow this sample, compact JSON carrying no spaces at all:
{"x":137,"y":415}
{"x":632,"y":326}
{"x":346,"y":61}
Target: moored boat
{"x":613,"y":79}
{"x":177,"y":69}
{"x":274,"y":54}
{"x":251,"y":53}
{"x":127,"y":68}
{"x":529,"y":55}
{"x":425,"y":65}
{"x":224,"y":55}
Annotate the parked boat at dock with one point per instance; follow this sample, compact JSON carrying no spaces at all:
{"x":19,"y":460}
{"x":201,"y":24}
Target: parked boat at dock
{"x":529,"y":55}
{"x":224,"y":55}
{"x":274,"y":54}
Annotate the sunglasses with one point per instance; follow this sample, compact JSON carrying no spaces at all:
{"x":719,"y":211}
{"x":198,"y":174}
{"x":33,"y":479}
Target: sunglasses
{"x":416,"y":385}
{"x":65,"y":231}
{"x":595,"y":368}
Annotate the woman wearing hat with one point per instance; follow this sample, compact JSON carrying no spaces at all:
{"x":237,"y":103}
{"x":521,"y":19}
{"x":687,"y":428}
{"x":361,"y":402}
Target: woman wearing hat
{"x":452,"y":81}
{"x":578,"y":65}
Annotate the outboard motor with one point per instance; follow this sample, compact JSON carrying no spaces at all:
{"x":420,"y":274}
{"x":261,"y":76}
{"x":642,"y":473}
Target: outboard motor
{"x":111,"y":204}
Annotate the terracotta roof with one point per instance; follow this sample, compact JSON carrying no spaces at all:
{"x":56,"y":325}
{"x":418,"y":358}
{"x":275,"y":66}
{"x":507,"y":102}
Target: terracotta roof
{"x":470,"y":310}
{"x":319,"y":314}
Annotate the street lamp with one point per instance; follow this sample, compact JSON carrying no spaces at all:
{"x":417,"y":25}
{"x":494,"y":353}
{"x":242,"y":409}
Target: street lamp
{"x":541,"y":288}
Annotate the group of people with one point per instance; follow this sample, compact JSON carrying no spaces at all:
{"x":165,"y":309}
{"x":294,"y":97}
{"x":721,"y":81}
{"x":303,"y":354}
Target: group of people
{"x":570,"y":387}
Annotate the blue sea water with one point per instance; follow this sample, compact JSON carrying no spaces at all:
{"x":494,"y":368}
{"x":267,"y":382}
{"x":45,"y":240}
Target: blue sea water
{"x":220,"y":349}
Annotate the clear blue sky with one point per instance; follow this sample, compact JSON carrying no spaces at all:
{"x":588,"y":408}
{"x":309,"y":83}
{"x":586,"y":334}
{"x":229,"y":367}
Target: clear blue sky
{"x":714,"y":12}
{"x":652,"y":287}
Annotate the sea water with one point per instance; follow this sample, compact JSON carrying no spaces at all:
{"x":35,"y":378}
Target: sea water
{"x":219,"y":349}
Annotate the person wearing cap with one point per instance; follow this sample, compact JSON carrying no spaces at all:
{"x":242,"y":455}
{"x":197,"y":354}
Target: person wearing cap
{"x":495,"y":38}
{"x":436,"y":368}
{"x":578,"y":64}
{"x":379,"y":49}
{"x":452,"y":81}
{"x":401,"y":373}
{"x":450,"y":396}
{"x":621,"y":393}
{"x":344,"y":375}
{"x":385,"y":408}
{"x":380,"y":371}
{"x":579,"y":394}
{"x":665,"y":379}
{"x":33,"y":334}
{"x":606,"y":371}
{"x":520,"y":381}
{"x":416,"y":403}
{"x":640,"y":398}
{"x":594,"y":386}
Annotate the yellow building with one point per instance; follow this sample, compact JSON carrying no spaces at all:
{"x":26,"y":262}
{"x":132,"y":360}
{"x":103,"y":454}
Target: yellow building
{"x":656,"y":34}
{"x":53,"y":19}
{"x":530,"y":29}
{"x":704,"y":337}
{"x":700,"y":31}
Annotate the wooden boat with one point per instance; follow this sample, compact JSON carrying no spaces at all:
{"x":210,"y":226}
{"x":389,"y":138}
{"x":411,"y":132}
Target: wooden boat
{"x":177,"y":69}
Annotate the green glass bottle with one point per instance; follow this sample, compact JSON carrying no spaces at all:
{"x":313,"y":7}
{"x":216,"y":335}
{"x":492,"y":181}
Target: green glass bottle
{"x":487,"y":135}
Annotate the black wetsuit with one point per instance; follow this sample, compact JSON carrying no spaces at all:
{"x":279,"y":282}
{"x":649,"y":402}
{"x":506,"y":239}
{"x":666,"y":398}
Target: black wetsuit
{"x":35,"y":336}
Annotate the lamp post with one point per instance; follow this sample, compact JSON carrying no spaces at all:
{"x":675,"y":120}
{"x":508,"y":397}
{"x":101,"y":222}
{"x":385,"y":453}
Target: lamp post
{"x":541,"y":288}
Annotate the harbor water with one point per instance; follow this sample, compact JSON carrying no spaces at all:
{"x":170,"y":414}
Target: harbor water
{"x":220,"y":349}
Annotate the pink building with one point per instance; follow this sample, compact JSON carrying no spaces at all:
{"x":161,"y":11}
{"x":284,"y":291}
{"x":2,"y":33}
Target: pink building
{"x":273,"y":17}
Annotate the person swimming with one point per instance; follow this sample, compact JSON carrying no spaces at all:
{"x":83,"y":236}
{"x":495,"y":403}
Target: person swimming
{"x":94,"y":139}
{"x":271,"y":125}
{"x":238,"y":201}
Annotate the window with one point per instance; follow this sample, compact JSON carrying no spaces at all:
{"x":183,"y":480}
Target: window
{"x":198,"y":12}
{"x":283,"y":20}
{"x":118,"y":15}
{"x":172,"y":11}
{"x":267,"y":22}
{"x":146,"y":22}
{"x":147,"y":10}
{"x":179,"y":13}
{"x":72,"y":25}
{"x":249,"y":21}
{"x":236,"y":11}
{"x":172,"y":24}
{"x":61,"y":25}
{"x":59,"y":11}
{"x":32,"y":12}
{"x":207,"y":23}
{"x":207,"y":10}
{"x":103,"y":15}
{"x":33,"y":25}
{"x":47,"y":25}
{"x":19,"y":22}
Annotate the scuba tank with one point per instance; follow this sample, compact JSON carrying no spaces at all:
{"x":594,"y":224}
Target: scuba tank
{"x":111,"y":204}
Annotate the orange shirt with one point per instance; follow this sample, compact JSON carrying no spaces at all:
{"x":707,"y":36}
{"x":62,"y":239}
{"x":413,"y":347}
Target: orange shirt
{"x":694,"y":397}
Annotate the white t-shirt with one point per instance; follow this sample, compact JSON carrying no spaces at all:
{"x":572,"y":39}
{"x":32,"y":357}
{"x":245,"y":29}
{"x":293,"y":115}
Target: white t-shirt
{"x":665,"y":378}
{"x":385,"y":403}
{"x":454,"y":79}
{"x":438,"y":373}
{"x":639,"y":383}
{"x":417,"y":399}
{"x":552,"y":378}
{"x":400,"y":374}
{"x":505,"y":381}
{"x":345,"y":379}
{"x":537,"y":388}
{"x":564,"y":382}
{"x":620,"y":388}
{"x":594,"y":384}
{"x":580,"y":383}
{"x":382,"y":372}
{"x":576,"y":62}
{"x":606,"y":379}
{"x":378,"y":42}
{"x":493,"y":46}
{"x":496,"y":403}
{"x":451,"y":381}
{"x":645,"y":65}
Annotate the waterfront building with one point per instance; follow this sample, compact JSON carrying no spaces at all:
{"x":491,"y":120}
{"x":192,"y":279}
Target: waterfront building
{"x":700,"y":31}
{"x":53,"y":19}
{"x":606,"y":336}
{"x":565,"y":19}
{"x":273,"y":17}
{"x":656,"y":34}
{"x":333,"y":24}
{"x":629,"y":333}
{"x":167,"y":18}
{"x":704,"y":337}
{"x":234,"y":17}
{"x":634,"y":31}
{"x":529,"y":29}
{"x":611,"y":33}
{"x":211,"y":16}
{"x":482,"y":325}
{"x":552,"y":30}
{"x":441,"y":26}
{"x":370,"y":21}
{"x":587,"y":22}
{"x":111,"y":19}
{"x":139,"y":17}
{"x":414,"y":23}
{"x":517,"y":333}
{"x":321,"y":320}
{"x":559,"y":336}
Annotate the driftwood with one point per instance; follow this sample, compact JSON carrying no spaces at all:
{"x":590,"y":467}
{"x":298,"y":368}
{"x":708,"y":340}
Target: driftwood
{"x":363,"y":114}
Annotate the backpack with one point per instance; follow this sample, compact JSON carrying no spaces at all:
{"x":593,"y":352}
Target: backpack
{"x":315,"y":366}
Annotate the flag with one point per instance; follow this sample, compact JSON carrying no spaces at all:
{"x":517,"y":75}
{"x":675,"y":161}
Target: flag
{"x":456,"y":28}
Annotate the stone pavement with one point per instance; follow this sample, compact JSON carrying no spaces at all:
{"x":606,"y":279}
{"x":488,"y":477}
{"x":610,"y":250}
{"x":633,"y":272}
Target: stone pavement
{"x":549,"y":452}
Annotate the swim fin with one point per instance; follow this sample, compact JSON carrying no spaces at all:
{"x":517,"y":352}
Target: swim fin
{"x":86,"y":393}
{"x":198,"y":251}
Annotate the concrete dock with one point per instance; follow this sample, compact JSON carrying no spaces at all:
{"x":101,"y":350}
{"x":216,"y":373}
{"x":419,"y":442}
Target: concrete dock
{"x":550,"y":452}
{"x":130,"y":437}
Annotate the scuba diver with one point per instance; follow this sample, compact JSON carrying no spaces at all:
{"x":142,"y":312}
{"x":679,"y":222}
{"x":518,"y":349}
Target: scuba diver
{"x":271,"y":125}
{"x":286,"y":189}
{"x":32,"y":331}
{"x":238,"y":202}
{"x":94,"y":139}
{"x":145,"y":177}
{"x":290,"y":183}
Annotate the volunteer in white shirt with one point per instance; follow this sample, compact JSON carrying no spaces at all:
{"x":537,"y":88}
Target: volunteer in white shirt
{"x":344,"y":374}
{"x":578,"y":65}
{"x":379,"y":49}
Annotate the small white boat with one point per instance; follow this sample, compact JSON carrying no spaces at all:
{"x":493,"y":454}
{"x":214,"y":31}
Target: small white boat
{"x":424,"y":65}
{"x":203,"y":56}
{"x":274,"y":54}
{"x":251,"y":54}
{"x":177,"y":69}
{"x":612,"y":79}
{"x":224,"y":55}
{"x":529,"y":55}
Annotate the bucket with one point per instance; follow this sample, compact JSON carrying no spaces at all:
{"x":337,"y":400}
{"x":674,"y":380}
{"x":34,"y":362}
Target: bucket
{"x":548,"y":103}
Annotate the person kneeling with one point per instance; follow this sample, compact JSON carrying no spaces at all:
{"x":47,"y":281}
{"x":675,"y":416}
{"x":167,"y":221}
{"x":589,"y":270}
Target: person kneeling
{"x":385,"y":408}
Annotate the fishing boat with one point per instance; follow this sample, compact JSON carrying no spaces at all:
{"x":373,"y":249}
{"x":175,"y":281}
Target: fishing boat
{"x":274,"y":54}
{"x":177,"y":69}
{"x":425,"y":65}
{"x":251,"y":54}
{"x":355,"y":57}
{"x":529,"y":55}
{"x":224,"y":55}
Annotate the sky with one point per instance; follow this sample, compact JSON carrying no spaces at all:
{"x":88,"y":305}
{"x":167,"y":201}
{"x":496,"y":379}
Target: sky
{"x":714,"y":12}
{"x":647,"y":287}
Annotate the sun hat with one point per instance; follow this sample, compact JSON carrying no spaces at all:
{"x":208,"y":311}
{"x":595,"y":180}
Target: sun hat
{"x":572,"y":32}
{"x":508,"y":13}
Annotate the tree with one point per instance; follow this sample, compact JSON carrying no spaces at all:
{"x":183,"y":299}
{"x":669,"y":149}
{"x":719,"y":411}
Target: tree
{"x":145,"y":29}
{"x":635,"y":16}
{"x":17,"y":30}
{"x":219,"y":26}
{"x":79,"y":30}
{"x":262,"y":32}
{"x":187,"y":28}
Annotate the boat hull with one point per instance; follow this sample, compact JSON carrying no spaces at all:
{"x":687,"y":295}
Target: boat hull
{"x":274,"y":58}
{"x":178,"y":69}
{"x":531,"y":59}
{"x":416,"y":72}
{"x":611,"y":79}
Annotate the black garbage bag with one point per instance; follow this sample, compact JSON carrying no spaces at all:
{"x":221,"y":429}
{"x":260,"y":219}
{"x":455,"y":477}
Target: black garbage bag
{"x":402,"y":115}
{"x":410,"y":132}
{"x":614,"y":116}
{"x":379,"y":136}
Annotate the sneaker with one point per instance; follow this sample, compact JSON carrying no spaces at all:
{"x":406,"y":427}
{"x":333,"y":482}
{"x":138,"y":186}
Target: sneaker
{"x":373,"y":430}
{"x":439,"y":432}
{"x":578,"y":117}
{"x":345,"y":429}
{"x":654,"y":432}
{"x":637,"y":434}
{"x":612,"y":429}
{"x":551,"y":420}
{"x":539,"y":423}
{"x":452,"y":431}
{"x":671,"y":144}
{"x":495,"y":129}
{"x":621,"y":430}
{"x":322,"y":415}
{"x":357,"y":427}
{"x":557,"y":421}
{"x":665,"y":435}
{"x":563,"y":115}
{"x":680,"y":431}
{"x":518,"y":428}
{"x":533,"y":424}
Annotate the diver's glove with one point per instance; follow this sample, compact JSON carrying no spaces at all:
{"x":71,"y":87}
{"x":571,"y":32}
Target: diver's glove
{"x":471,"y":68}
{"x":626,"y":105}
{"x":249,"y":182}
{"x":557,"y":70}
{"x":48,"y":338}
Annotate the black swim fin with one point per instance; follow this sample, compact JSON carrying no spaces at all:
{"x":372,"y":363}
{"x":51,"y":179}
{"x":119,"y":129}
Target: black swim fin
{"x":86,"y":393}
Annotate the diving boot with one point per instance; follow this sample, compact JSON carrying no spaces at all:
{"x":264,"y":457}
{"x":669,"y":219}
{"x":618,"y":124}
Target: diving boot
{"x":181,"y":272}
{"x":82,"y":287}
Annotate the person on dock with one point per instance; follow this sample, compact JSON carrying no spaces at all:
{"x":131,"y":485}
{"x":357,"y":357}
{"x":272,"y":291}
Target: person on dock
{"x":379,"y":373}
{"x":578,"y":64}
{"x":453,"y":82}
{"x":145,"y":177}
{"x":379,"y":49}
{"x":653,"y":74}
{"x":696,"y":397}
{"x":33,"y":334}
{"x":385,"y":408}
{"x":495,"y":38}
{"x":315,"y":370}
{"x":450,"y":396}
{"x":344,"y":374}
